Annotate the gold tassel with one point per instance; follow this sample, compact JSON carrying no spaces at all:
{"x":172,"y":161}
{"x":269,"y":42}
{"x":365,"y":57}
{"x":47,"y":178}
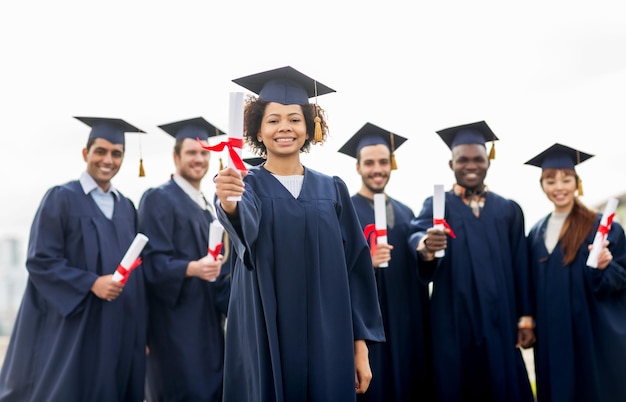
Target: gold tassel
{"x":394,"y":165}
{"x":580,"y":187}
{"x":221,"y":164}
{"x":492,"y":151}
{"x":318,"y":130}
{"x":226,"y":248}
{"x":142,"y":172}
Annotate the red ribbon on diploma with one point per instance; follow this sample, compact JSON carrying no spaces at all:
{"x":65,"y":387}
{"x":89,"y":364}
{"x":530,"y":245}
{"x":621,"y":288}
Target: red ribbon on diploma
{"x":231,"y":144}
{"x":216,"y":251}
{"x":371,"y":234}
{"x":125,"y":272}
{"x":445,"y":225}
{"x":604,"y":229}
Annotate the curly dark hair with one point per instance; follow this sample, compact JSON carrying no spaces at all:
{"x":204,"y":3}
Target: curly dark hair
{"x":253,"y":117}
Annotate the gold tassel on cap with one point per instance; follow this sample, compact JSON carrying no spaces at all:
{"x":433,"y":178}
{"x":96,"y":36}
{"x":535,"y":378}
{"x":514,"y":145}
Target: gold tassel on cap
{"x":142,"y":172}
{"x":579,"y":182}
{"x":492,"y":151}
{"x":394,"y":165}
{"x":318,"y":135}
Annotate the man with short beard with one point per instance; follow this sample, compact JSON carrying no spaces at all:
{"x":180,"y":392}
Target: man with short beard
{"x":401,"y":366}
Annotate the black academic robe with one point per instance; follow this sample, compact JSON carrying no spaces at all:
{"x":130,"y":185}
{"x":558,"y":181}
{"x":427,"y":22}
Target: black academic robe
{"x":185,"y":326}
{"x":480,"y":289}
{"x":401,"y":366}
{"x":303,"y":290}
{"x":68,"y":344}
{"x":580,"y":354}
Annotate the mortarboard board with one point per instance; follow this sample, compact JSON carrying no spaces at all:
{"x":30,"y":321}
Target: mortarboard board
{"x":194,"y":128}
{"x":371,"y":134}
{"x":254,"y":161}
{"x":109,"y":129}
{"x":472,"y":133}
{"x":560,"y":156}
{"x":284,"y":85}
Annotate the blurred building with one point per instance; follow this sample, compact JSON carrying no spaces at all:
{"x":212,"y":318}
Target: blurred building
{"x":13,"y":277}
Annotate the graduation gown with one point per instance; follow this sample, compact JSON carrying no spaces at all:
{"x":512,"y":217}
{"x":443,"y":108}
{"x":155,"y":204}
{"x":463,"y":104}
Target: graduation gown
{"x":401,"y":366}
{"x":185,"y":326}
{"x":68,"y":344}
{"x":303,"y":290}
{"x":480,"y":289}
{"x":580,"y":354}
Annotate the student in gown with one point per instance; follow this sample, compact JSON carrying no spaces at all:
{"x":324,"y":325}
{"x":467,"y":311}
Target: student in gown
{"x":481,"y":307}
{"x":580,"y":354}
{"x":187,"y":310}
{"x":77,"y":336}
{"x":303,"y":298}
{"x":401,"y":366}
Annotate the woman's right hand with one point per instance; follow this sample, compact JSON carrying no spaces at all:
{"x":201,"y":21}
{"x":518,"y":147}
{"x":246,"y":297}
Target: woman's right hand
{"x":229,"y":183}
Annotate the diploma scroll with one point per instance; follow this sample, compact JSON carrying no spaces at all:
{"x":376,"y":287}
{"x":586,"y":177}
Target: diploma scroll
{"x":235,"y":131}
{"x":216,"y":232}
{"x":131,"y":259}
{"x":439,"y":211}
{"x":380,"y":220}
{"x":602,"y":232}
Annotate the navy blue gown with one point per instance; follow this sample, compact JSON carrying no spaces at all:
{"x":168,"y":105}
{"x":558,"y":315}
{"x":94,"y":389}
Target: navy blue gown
{"x":580,"y":354}
{"x":68,"y":344}
{"x":186,"y":323}
{"x":303,"y":290}
{"x":401,"y":366}
{"x":480,"y":289}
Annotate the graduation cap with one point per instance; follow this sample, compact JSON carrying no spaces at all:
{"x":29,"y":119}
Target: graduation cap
{"x":371,"y":134}
{"x":112,"y":130}
{"x":560,"y":156}
{"x":472,"y":133}
{"x":109,"y":129}
{"x":254,"y":161}
{"x":286,"y":86}
{"x":194,"y":128}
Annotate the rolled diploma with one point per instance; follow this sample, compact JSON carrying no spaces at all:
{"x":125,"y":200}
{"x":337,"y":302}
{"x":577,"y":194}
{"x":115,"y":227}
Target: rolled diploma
{"x":216,"y":231}
{"x":380,"y":220}
{"x":139,"y":242}
{"x":609,"y":211}
{"x":439,"y":210}
{"x":235,"y":127}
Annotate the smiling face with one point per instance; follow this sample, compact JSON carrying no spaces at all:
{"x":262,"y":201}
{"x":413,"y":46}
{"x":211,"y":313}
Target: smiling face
{"x":192,"y":162}
{"x":283,"y":130}
{"x":374,"y":166}
{"x":104,"y":160}
{"x":560,"y":185}
{"x":470,"y":164}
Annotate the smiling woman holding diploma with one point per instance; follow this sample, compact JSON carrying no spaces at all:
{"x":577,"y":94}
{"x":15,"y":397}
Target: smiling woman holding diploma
{"x":303,"y":297}
{"x":580,"y":354}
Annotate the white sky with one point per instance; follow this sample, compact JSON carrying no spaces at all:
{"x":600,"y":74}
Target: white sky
{"x":538,"y":72}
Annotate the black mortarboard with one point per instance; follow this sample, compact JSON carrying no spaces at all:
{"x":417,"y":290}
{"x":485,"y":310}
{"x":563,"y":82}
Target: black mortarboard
{"x":254,"y":161}
{"x":473,"y":133}
{"x":559,"y":156}
{"x":111,"y":130}
{"x":194,"y":128}
{"x":284,"y":85}
{"x":371,"y":134}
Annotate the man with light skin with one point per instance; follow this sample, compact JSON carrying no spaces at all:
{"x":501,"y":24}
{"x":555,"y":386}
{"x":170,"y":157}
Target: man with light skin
{"x":401,"y":366}
{"x":187,"y":300}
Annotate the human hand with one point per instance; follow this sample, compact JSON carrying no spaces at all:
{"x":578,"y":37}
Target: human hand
{"x":605,"y":256}
{"x":229,"y":183}
{"x":363,"y":371}
{"x":525,"y":338}
{"x":106,"y":288}
{"x":205,"y":268}
{"x":381,"y":254}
